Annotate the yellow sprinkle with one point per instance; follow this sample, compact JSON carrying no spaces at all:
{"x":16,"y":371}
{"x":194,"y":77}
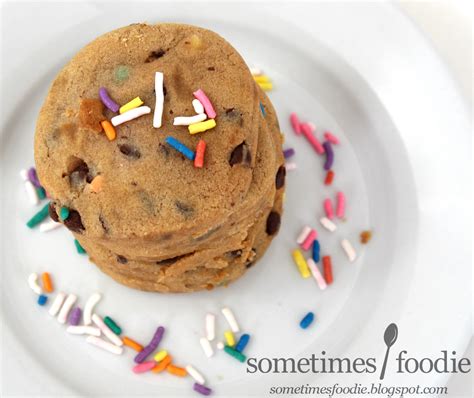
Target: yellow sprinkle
{"x":301,"y":263}
{"x":262,"y":79}
{"x":134,"y":103}
{"x":229,"y":338}
{"x":266,"y":86}
{"x":160,"y":355}
{"x":108,"y":129}
{"x":201,"y":126}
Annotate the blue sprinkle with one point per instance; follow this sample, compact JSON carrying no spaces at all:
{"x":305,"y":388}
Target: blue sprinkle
{"x":42,"y":299}
{"x":79,"y":248}
{"x":316,"y":249}
{"x":242,"y":343}
{"x":262,"y":109}
{"x":307,"y":320}
{"x":180,"y":147}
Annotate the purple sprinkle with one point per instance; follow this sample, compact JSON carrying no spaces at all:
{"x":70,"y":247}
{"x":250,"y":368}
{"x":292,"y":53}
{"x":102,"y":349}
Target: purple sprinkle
{"x":75,"y":316}
{"x":202,"y":389}
{"x":288,"y":153}
{"x":141,"y":356}
{"x":329,"y":155}
{"x":33,"y":177}
{"x":107,"y":101}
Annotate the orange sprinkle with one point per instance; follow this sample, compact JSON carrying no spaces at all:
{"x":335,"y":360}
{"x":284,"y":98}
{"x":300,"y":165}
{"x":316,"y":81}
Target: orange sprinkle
{"x":108,"y":129}
{"x":177,"y":371}
{"x":96,"y":183}
{"x":47,"y":282}
{"x":327,"y":269}
{"x":163,"y":364}
{"x":329,"y":177}
{"x":200,"y":149}
{"x":132,"y":344}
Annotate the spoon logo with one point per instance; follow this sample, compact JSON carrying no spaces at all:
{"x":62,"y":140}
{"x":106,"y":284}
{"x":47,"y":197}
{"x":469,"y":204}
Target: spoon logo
{"x":390,"y":337}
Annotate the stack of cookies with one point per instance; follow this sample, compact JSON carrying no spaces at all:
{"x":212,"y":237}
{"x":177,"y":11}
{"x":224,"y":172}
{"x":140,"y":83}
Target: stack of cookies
{"x":143,"y":212}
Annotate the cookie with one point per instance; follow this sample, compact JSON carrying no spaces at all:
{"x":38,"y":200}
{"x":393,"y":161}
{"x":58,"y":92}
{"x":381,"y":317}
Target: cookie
{"x":143,"y":212}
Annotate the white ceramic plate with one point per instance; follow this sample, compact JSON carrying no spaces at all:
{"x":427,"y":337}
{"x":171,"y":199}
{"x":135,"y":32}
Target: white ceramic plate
{"x":414,"y":272}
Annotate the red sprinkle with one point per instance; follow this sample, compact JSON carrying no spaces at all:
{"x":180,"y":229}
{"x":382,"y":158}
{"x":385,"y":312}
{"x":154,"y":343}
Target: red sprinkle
{"x":329,"y":177}
{"x":327,"y":269}
{"x":200,"y":149}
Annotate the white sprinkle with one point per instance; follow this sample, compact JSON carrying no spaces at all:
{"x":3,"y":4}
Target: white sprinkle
{"x":33,"y":283}
{"x":206,"y":346}
{"x":29,"y":188}
{"x":89,"y":307}
{"x":303,"y":234}
{"x":105,"y":329}
{"x":229,"y":316}
{"x":70,"y":300}
{"x":90,"y":330}
{"x":187,"y":120}
{"x":49,"y":225}
{"x":130,"y":115}
{"x":210,"y":326}
{"x":349,"y":249}
{"x":198,"y":107}
{"x":328,"y":224}
{"x":195,"y":374}
{"x":255,"y":71}
{"x":316,"y":273}
{"x":57,"y":304}
{"x":290,"y":166}
{"x":98,"y":342}
{"x":220,"y":345}
{"x":160,"y":97}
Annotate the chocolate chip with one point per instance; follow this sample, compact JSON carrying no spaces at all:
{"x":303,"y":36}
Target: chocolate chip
{"x":172,"y":260}
{"x":280,"y":177}
{"x":74,"y":222}
{"x":163,"y":149}
{"x":130,"y":151}
{"x":211,"y":68}
{"x":273,"y":223}
{"x":164,"y":92}
{"x":121,"y":259}
{"x":234,"y":253}
{"x":249,"y":264}
{"x":154,"y":55}
{"x":103,"y":223}
{"x":240,"y":153}
{"x":184,"y":208}
{"x":52,"y":212}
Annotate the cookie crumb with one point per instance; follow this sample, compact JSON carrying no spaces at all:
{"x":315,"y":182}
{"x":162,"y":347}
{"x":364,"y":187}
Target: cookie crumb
{"x":365,"y":236}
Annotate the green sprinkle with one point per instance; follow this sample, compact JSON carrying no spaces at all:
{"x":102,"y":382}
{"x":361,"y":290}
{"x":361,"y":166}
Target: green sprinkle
{"x":38,"y":217}
{"x":41,"y":193}
{"x":236,"y":354}
{"x":112,"y":325}
{"x":63,"y":213}
{"x":79,"y":248}
{"x":121,"y":73}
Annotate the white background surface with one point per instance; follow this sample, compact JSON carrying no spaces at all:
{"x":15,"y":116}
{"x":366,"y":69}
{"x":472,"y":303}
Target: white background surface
{"x":377,"y":64}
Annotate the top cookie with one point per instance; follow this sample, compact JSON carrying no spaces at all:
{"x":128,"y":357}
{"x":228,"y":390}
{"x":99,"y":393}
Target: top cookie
{"x":147,"y":188}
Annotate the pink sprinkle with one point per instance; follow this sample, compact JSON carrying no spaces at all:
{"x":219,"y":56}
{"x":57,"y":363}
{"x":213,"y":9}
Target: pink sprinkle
{"x":309,"y":240}
{"x":306,"y":129}
{"x":295,"y":123}
{"x":202,"y":97}
{"x":328,"y":209}
{"x":331,"y":138}
{"x":144,"y":367}
{"x":340,"y":204}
